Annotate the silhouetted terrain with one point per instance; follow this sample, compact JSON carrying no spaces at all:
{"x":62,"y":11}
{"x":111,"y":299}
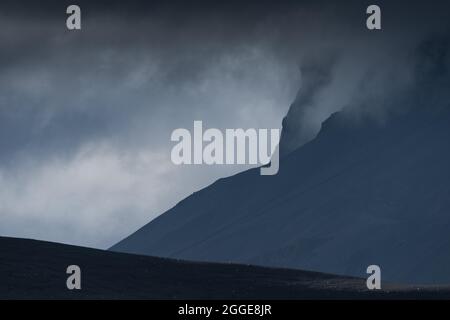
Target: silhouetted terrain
{"x":373,"y":187}
{"x":362,"y":192}
{"x":36,"y":269}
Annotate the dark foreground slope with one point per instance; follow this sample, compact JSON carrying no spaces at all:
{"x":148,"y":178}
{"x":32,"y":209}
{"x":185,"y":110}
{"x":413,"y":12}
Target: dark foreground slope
{"x":36,"y":269}
{"x":362,"y":192}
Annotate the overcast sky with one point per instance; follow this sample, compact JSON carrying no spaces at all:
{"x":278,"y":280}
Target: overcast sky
{"x":86,"y":116}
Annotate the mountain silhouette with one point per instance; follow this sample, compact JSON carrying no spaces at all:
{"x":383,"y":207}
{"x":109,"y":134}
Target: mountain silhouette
{"x":362,"y":192}
{"x":372,"y":187}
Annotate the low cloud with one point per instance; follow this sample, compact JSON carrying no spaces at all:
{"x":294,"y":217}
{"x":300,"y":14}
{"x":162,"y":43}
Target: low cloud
{"x":86,"y":117}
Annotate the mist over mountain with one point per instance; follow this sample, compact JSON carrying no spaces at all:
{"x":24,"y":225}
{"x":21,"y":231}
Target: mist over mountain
{"x":86,"y":117}
{"x":416,"y":78}
{"x":373,"y":187}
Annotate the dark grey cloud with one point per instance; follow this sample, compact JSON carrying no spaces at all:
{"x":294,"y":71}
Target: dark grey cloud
{"x":86,"y":116}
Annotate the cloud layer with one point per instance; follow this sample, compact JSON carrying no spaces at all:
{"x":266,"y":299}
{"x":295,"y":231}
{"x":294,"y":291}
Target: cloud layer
{"x":86,"y":116}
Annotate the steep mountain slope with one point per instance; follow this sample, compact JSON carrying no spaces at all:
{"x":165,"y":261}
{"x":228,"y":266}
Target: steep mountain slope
{"x":36,"y":269}
{"x":362,"y":192}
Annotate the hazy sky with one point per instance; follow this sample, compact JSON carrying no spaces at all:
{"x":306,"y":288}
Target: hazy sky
{"x":86,"y":116}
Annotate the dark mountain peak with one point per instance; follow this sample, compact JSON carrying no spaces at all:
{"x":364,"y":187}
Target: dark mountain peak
{"x":315,"y":76}
{"x":371,"y":187}
{"x":364,"y":191}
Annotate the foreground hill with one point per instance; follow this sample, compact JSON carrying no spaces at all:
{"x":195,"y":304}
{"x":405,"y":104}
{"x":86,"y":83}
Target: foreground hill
{"x":36,"y":269}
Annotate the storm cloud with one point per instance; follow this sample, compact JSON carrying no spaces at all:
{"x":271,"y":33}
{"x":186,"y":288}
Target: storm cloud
{"x":86,"y":116}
